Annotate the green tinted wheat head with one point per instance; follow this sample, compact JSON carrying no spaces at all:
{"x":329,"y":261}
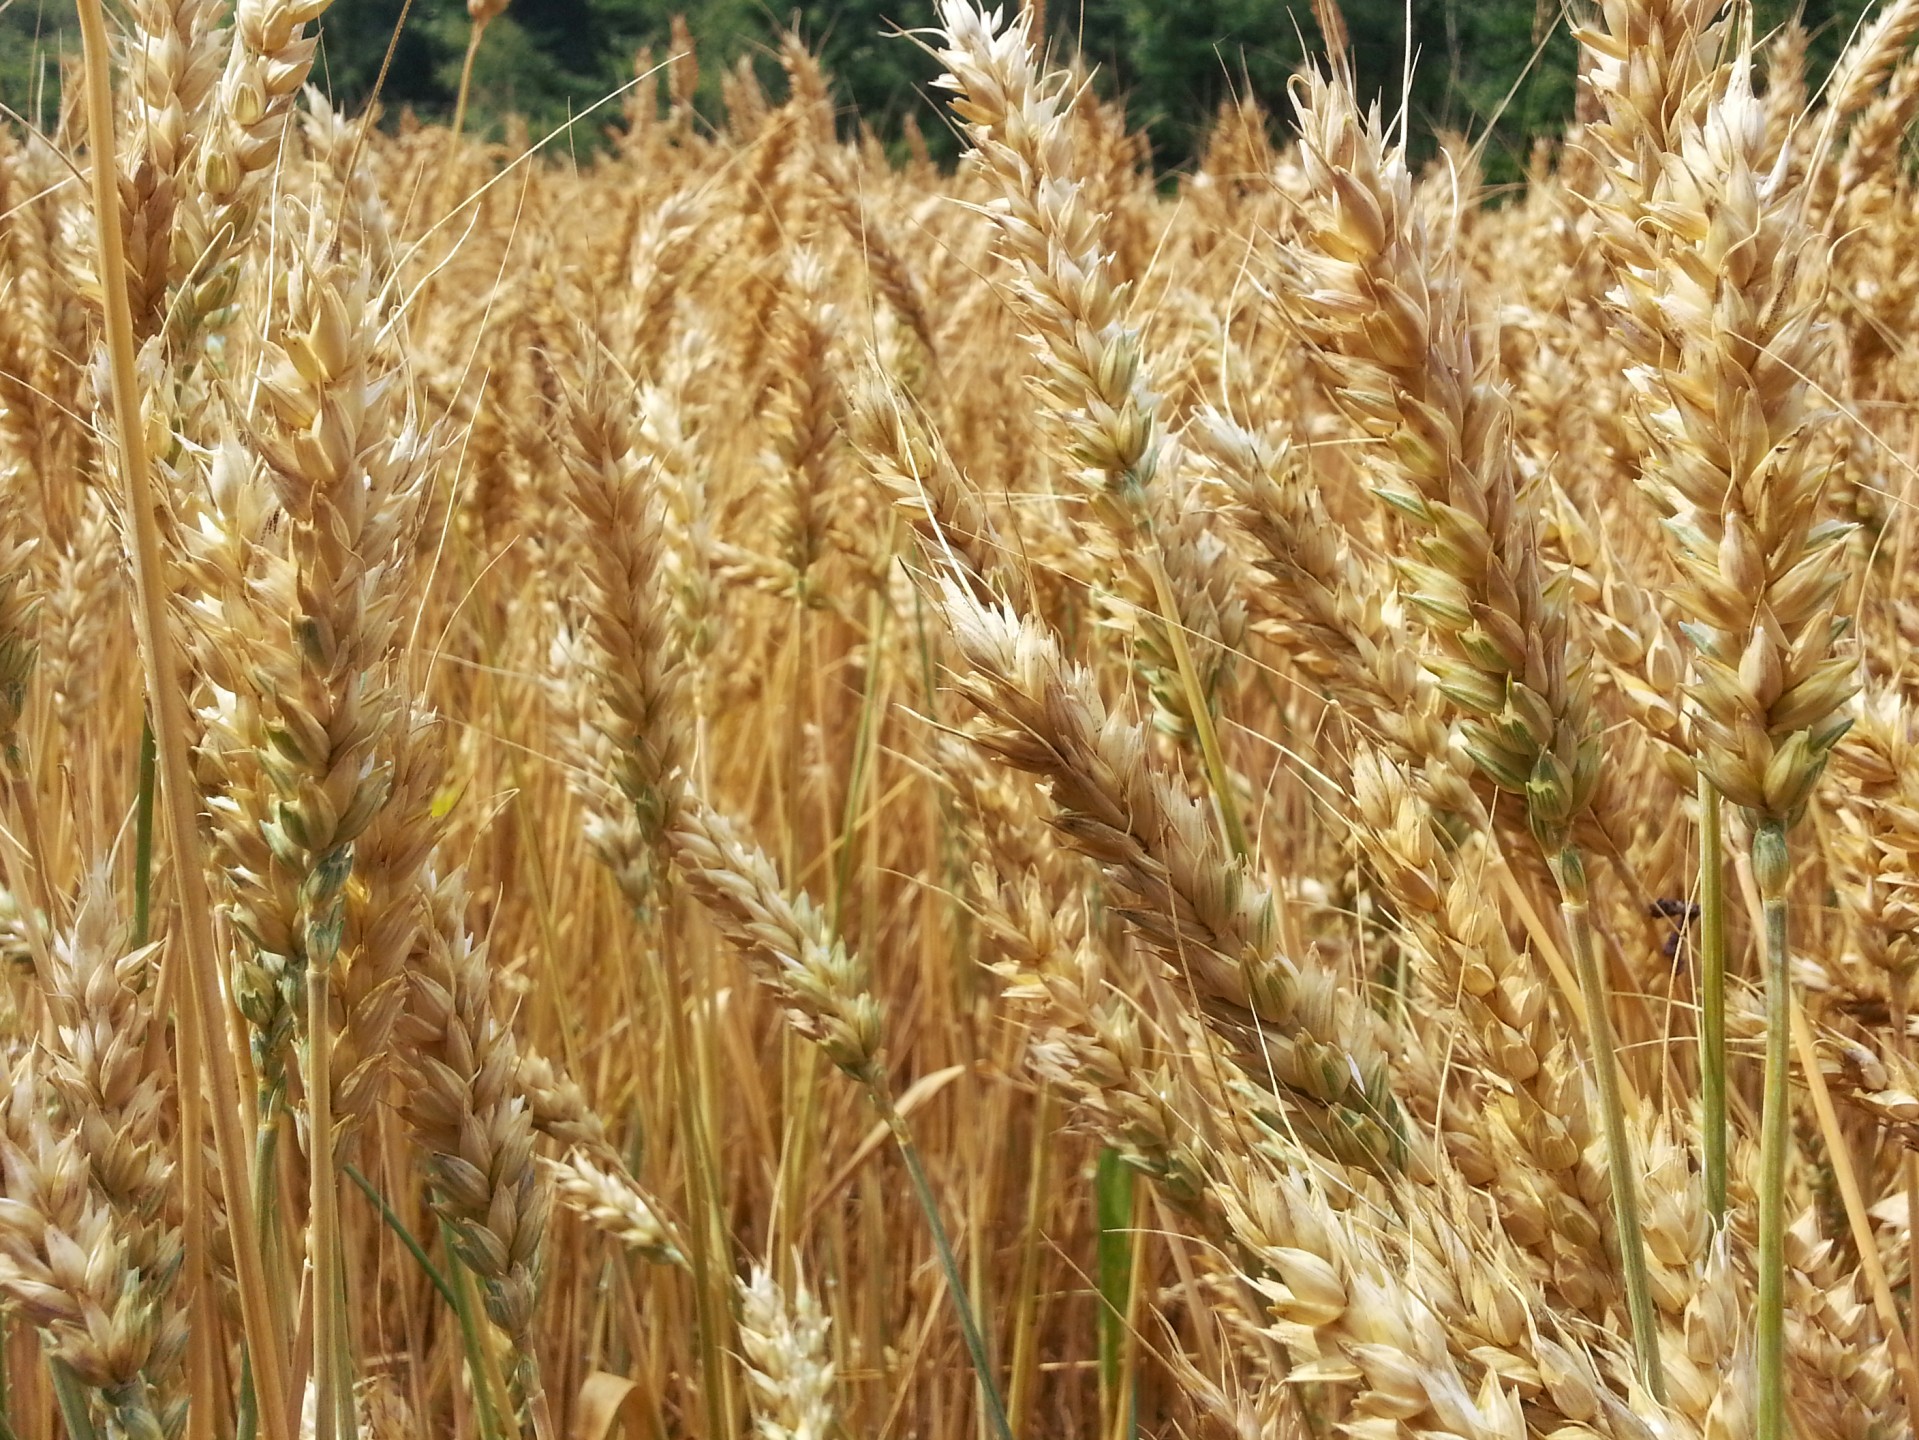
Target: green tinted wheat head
{"x":1378,"y":297}
{"x":305,"y":546}
{"x":1721,"y":298}
{"x":1733,"y":459}
{"x":1379,"y":300}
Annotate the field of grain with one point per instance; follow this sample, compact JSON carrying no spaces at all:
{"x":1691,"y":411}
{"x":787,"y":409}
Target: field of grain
{"x":859,"y":801}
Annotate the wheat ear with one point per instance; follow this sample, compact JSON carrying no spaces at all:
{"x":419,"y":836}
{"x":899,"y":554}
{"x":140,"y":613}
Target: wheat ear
{"x":1202,"y":912}
{"x":475,"y":1130}
{"x":784,"y":1334}
{"x":1093,"y":376}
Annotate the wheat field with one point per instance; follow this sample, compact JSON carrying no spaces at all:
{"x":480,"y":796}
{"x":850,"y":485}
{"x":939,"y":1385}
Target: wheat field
{"x":723,"y":785}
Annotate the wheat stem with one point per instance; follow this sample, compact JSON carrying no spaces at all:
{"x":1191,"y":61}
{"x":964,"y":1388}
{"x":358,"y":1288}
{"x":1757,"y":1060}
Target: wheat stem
{"x":703,"y":1226}
{"x":1218,"y":776}
{"x":466,"y":85}
{"x":329,"y":1382}
{"x":37,"y":854}
{"x":202,"y":1361}
{"x":1571,"y":874}
{"x":1025,"y":1306}
{"x":72,"y":1400}
{"x":203,"y":1339}
{"x":1712,"y":983}
{"x":1908,"y":1162}
{"x":201,"y":1002}
{"x":1770,"y":869}
{"x":955,"y":1287}
{"x":489,"y":1387}
{"x":405,"y":1236}
{"x":143,"y":839}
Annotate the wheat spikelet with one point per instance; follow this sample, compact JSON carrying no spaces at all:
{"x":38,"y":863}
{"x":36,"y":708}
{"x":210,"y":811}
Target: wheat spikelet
{"x":1091,"y":357}
{"x":1880,"y":830}
{"x":591,"y":1177}
{"x":173,"y":65}
{"x":65,"y":1263}
{"x":1869,"y":58}
{"x":78,"y":622}
{"x":337,"y":145}
{"x":663,"y":262}
{"x":802,"y":424}
{"x":18,"y":604}
{"x":892,"y":276}
{"x":1785,"y":97}
{"x":1331,"y":599}
{"x":1646,"y":59}
{"x":1205,"y":915}
{"x":296,"y":628}
{"x":1845,"y":1378}
{"x":268,"y":58}
{"x":44,"y":378}
{"x":383,"y":916}
{"x":1870,"y":145}
{"x":903,"y":452}
{"x":1739,"y":284}
{"x":1523,"y":1138}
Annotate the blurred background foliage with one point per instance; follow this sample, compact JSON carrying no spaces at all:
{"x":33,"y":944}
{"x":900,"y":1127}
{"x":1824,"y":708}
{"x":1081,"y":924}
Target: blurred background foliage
{"x":1171,"y":61}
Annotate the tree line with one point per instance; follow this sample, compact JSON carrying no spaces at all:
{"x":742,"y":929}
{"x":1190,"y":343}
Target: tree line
{"x":1501,"y":65}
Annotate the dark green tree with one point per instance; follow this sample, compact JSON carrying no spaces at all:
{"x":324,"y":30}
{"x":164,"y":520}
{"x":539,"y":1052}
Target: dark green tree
{"x":1501,"y":69}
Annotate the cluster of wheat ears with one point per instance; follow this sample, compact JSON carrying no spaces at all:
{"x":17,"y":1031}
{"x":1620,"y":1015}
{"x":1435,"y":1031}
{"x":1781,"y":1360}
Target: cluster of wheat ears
{"x":637,"y":787}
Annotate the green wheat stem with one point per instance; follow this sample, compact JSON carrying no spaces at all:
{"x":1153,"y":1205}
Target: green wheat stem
{"x":72,"y":1400}
{"x":1770,"y":870}
{"x":1570,"y":871}
{"x":143,"y":838}
{"x":705,"y":1232}
{"x":406,"y":1236}
{"x":1113,"y":1204}
{"x":488,"y":1387}
{"x":1218,"y":777}
{"x":1712,"y":1018}
{"x":955,"y":1287}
